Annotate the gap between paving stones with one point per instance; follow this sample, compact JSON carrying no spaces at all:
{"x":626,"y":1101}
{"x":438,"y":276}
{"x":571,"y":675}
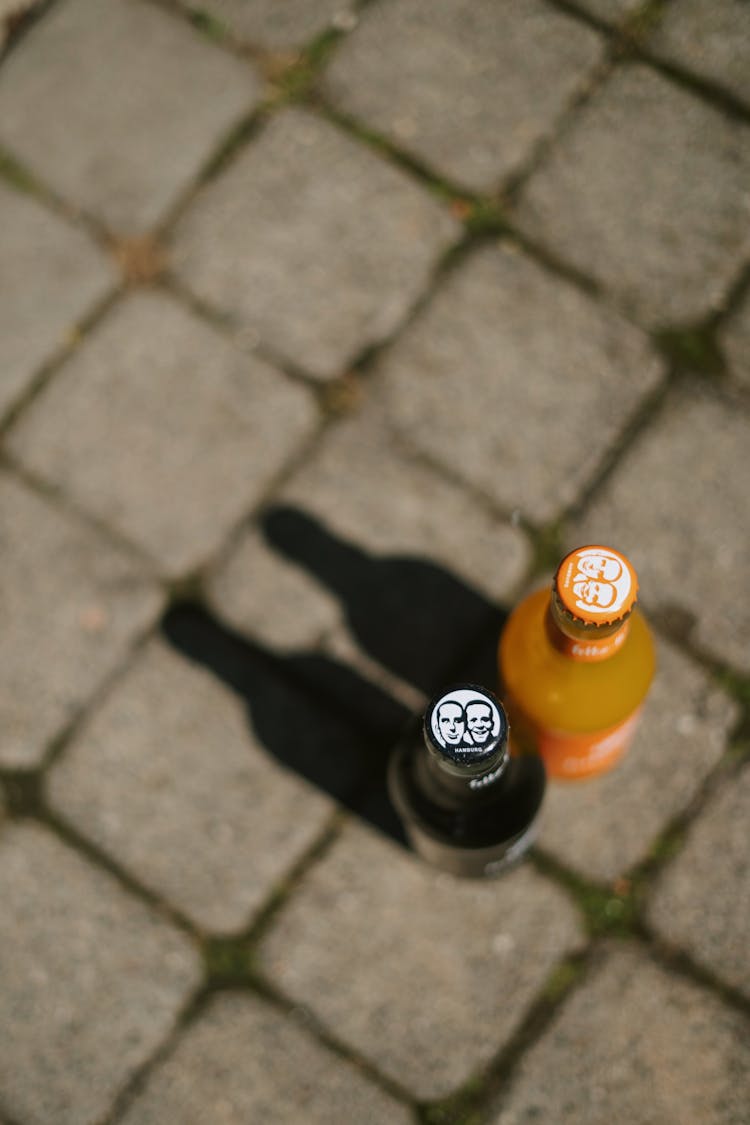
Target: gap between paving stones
{"x":47,"y":371}
{"x":473,"y":1102}
{"x":43,"y":487}
{"x":309,"y":56}
{"x":470,"y":1104}
{"x":598,"y":954}
{"x":694,"y":83}
{"x":21,"y":21}
{"x":734,"y":299}
{"x":645,"y":416}
{"x":30,"y":781}
{"x":618,"y":908}
{"x":241,"y":338}
{"x":681,"y":964}
{"x":630,"y":26}
{"x":138,"y":1079}
{"x":14,"y":172}
{"x":734,"y":683}
{"x":702,"y":88}
{"x":598,"y":78}
{"x":301,"y":1018}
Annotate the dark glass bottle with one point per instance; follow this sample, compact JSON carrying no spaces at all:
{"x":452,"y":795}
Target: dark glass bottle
{"x":466,"y":805}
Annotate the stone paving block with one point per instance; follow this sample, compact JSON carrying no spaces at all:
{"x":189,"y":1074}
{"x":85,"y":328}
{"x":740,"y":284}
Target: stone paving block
{"x":169,"y":778}
{"x":677,"y":506}
{"x":735,"y":340}
{"x":469,"y":88}
{"x":72,"y":607}
{"x":280,"y":27}
{"x":702,"y":901}
{"x":52,"y":275}
{"x":711,"y":40}
{"x":244,"y":1061}
{"x":505,"y":356}
{"x":313,"y":242}
{"x":635,"y":1044}
{"x":438,"y":971}
{"x":646,"y":192}
{"x":283,"y":606}
{"x":145,"y":100}
{"x":395,"y":521}
{"x":604,"y":826}
{"x":93,"y":982}
{"x":165,"y":430}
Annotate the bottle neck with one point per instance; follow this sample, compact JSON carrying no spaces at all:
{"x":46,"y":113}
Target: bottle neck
{"x":464,"y":785}
{"x":585,"y":643}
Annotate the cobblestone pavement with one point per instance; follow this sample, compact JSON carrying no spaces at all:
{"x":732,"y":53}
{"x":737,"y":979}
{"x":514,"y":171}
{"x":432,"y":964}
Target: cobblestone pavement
{"x":324,"y":331}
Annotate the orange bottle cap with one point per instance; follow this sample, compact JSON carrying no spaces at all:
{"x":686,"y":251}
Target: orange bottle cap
{"x":596,"y":585}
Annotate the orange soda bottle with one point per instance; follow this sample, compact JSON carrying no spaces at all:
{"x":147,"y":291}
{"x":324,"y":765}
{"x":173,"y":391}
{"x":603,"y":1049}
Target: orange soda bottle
{"x":576,"y":664}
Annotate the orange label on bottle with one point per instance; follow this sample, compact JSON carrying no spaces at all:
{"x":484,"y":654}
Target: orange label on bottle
{"x":573,"y":756}
{"x":590,"y":650}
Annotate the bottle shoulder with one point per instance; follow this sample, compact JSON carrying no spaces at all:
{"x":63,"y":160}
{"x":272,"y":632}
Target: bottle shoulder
{"x":485,"y":817}
{"x":558,"y":691}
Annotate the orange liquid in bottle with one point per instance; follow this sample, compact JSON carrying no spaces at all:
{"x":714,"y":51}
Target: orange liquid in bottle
{"x":576,"y":706}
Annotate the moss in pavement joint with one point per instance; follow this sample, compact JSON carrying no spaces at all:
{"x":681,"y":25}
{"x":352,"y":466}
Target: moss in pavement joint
{"x":468,"y":1105}
{"x":209,"y":25}
{"x":295,"y":81}
{"x":548,"y":546}
{"x":461,"y":1108}
{"x":16,"y":175}
{"x":228,"y":961}
{"x":639,"y":25}
{"x":610,"y":911}
{"x":607,"y":912}
{"x":23,"y":792}
{"x":561,"y":979}
{"x":485,"y":217}
{"x":692,"y":350}
{"x":665,"y":847}
{"x":231,"y":144}
{"x":735,"y":685}
{"x":480,"y":215}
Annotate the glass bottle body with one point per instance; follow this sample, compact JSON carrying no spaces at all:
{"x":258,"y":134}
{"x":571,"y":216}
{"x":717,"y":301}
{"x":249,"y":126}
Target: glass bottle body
{"x":475,"y":827}
{"x":579,"y":713}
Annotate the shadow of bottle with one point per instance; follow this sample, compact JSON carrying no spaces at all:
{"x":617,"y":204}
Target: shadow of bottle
{"x":314,"y":714}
